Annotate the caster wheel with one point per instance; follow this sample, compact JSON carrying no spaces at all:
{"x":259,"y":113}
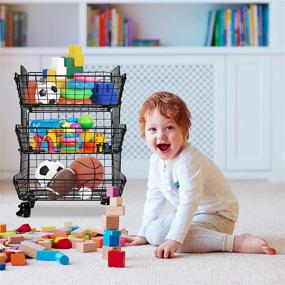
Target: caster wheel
{"x":105,"y":201}
{"x":25,"y":210}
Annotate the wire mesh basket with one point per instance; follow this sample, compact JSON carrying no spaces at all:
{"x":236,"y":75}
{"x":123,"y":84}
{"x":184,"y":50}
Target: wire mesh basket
{"x":90,"y":89}
{"x":29,"y":187}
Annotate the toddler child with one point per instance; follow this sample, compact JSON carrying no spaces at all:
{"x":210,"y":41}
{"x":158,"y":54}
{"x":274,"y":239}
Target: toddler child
{"x":206,"y":208}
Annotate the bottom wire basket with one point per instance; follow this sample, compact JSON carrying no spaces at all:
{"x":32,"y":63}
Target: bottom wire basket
{"x":33,"y":182}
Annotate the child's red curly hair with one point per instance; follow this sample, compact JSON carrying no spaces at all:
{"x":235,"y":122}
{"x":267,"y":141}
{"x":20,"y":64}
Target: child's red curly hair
{"x":170,"y":106}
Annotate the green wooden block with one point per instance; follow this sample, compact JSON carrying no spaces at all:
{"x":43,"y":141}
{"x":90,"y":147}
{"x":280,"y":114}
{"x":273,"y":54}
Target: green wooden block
{"x":6,"y":234}
{"x":74,"y":69}
{"x":68,"y":61}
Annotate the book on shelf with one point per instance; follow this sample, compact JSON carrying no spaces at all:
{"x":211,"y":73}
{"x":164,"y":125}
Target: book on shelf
{"x":107,"y":27}
{"x":246,"y":25}
{"x":13,"y":27}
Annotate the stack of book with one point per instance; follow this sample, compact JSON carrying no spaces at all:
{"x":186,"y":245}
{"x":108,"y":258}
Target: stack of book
{"x":13,"y":28}
{"x":243,"y":26}
{"x":107,"y":27}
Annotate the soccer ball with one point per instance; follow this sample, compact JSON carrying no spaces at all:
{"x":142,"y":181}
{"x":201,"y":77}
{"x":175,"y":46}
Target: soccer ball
{"x":47,"y":170}
{"x":47,"y":93}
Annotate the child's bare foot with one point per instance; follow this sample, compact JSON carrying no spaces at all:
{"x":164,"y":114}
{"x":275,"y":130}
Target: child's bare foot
{"x":248,"y":243}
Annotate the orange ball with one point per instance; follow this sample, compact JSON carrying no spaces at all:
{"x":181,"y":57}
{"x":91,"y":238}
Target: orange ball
{"x":89,"y":171}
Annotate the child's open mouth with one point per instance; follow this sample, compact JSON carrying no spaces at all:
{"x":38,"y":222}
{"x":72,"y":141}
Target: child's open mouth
{"x":163,"y":147}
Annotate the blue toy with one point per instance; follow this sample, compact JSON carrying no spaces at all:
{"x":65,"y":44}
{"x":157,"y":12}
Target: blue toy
{"x":104,"y":93}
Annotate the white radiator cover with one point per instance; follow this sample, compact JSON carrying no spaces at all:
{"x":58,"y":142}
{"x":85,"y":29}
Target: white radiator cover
{"x":195,"y":83}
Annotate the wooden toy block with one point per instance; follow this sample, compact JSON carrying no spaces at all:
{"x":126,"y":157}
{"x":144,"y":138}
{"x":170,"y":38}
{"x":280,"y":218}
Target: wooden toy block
{"x":30,"y":248}
{"x":73,"y":228}
{"x":3,"y":240}
{"x":111,"y":240}
{"x":3,"y":228}
{"x":79,"y":60}
{"x":62,"y":258}
{"x":62,"y":231}
{"x":116,"y":258}
{"x":87,"y":246}
{"x":75,"y":52}
{"x":60,"y":83}
{"x":110,"y":222}
{"x":2,"y":266}
{"x":8,"y":254}
{"x":46,"y":255}
{"x":56,"y":239}
{"x":71,"y":70}
{"x":3,"y":257}
{"x":18,"y":259}
{"x":115,"y":210}
{"x":68,"y":61}
{"x":6,"y":234}
{"x":67,"y":224}
{"x":79,"y":232}
{"x":51,"y":75}
{"x":15,"y":239}
{"x":63,"y":244}
{"x":74,"y":241}
{"x":116,"y":201}
{"x":106,"y":249}
{"x":25,"y":228}
{"x":48,"y":228}
{"x":113,"y":191}
{"x":47,"y":244}
{"x":98,"y":240}
{"x":95,"y":231}
{"x":124,"y":232}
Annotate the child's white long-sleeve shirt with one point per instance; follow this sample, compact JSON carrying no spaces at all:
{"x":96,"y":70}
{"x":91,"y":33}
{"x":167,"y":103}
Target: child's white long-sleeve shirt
{"x":193,"y":184}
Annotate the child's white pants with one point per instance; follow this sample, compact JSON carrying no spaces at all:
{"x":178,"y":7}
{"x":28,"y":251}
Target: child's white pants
{"x":208,"y":233}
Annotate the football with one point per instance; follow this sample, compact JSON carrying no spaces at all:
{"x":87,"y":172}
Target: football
{"x":62,"y":183}
{"x":47,"y":170}
{"x":47,"y":93}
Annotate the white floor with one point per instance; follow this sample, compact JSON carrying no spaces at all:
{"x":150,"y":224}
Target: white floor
{"x":262,"y":212}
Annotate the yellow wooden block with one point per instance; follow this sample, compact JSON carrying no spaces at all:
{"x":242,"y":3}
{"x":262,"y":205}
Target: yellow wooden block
{"x":59,"y":238}
{"x":79,"y":60}
{"x":48,"y":228}
{"x":51,"y":75}
{"x":60,"y":83}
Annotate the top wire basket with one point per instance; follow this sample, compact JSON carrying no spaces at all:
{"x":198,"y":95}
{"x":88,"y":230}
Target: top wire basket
{"x":87,"y":89}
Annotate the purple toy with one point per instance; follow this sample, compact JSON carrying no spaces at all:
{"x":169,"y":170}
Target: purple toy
{"x":113,"y":191}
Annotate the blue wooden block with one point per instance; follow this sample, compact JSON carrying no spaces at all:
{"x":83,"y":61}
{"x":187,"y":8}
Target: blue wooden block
{"x":112,"y":233}
{"x":47,"y":255}
{"x":104,"y":93}
{"x":62,"y":258}
{"x":72,"y":228}
{"x":111,"y":240}
{"x":2,"y":266}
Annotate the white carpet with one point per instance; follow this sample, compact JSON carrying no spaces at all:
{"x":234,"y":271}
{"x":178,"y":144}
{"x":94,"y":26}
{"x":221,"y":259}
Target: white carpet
{"x":262,"y":212}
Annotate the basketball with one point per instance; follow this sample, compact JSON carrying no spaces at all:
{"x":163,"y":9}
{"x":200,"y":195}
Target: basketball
{"x":89,"y":171}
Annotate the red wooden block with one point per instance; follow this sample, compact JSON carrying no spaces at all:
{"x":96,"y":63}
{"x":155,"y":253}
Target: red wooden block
{"x":63,"y":244}
{"x":116,"y":258}
{"x":25,"y":228}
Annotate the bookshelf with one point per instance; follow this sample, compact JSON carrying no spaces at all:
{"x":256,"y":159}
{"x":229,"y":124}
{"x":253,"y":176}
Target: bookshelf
{"x":224,"y":70}
{"x":182,"y":24}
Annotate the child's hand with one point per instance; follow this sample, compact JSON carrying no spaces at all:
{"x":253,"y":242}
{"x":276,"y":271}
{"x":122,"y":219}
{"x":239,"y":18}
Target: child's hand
{"x":167,"y":249}
{"x":136,"y":240}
